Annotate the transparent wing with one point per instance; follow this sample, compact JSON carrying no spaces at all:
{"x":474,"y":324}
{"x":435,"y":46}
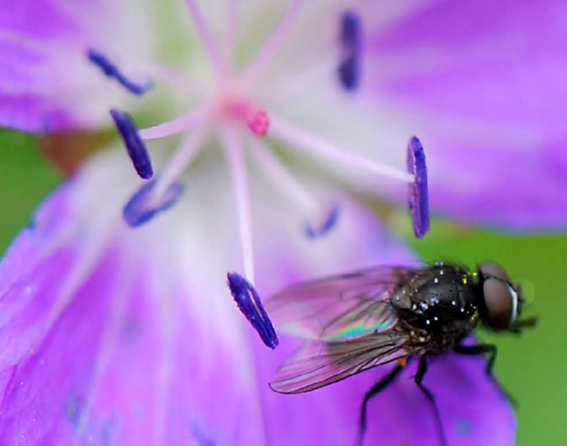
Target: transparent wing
{"x":320,"y":363}
{"x":339,"y":308}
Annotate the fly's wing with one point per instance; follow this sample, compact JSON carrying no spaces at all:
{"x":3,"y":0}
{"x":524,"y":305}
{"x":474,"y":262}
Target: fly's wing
{"x":320,"y":363}
{"x":339,"y":308}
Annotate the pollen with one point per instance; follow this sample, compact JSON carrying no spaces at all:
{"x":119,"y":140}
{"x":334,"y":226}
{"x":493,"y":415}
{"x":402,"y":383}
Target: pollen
{"x":402,"y":362}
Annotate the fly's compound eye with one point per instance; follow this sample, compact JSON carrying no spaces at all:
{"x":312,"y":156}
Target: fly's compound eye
{"x":500,"y":296}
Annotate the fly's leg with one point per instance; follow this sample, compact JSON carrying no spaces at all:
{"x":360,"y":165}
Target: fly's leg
{"x":377,"y":388}
{"x":490,"y":350}
{"x":421,"y":370}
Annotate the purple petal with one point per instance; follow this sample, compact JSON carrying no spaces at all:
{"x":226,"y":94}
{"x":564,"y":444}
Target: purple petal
{"x":46,"y":80}
{"x":505,"y":71}
{"x":137,"y":340}
{"x":491,"y":102}
{"x":509,"y":188}
{"x":472,"y":409}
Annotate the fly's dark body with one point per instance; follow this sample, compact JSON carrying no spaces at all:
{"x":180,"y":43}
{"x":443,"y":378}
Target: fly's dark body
{"x":438,"y":306}
{"x":357,"y":321}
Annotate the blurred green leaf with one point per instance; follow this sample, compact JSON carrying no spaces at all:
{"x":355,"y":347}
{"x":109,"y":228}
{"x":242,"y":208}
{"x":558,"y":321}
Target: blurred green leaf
{"x":25,"y":179}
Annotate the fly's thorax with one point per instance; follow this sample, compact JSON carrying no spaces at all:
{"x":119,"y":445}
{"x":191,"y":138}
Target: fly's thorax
{"x":440,"y":300}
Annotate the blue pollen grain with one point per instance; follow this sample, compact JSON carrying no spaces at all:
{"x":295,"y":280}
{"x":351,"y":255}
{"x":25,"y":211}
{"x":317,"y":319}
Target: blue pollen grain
{"x":250,"y":305}
{"x":113,"y":72}
{"x":134,"y":144}
{"x":350,"y":39}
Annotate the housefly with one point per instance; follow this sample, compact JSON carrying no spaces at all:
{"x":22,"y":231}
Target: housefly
{"x":357,"y":321}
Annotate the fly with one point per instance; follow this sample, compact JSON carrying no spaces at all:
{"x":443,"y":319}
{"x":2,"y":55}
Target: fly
{"x":357,"y":321}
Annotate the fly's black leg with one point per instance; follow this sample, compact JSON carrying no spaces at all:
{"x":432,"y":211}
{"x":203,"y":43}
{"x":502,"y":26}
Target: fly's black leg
{"x":377,"y":388}
{"x":490,"y":350}
{"x":421,"y":370}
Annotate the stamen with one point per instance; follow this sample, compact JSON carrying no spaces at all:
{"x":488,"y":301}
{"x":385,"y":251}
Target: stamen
{"x":134,"y":144}
{"x":249,"y":303}
{"x":112,"y":71}
{"x":170,"y":76}
{"x":230,"y":31}
{"x":182,"y":157}
{"x":143,"y":206}
{"x":418,"y":192}
{"x":177,"y":125}
{"x":235,"y":157}
{"x":312,"y":144}
{"x":328,"y":224}
{"x":350,"y":39}
{"x":319,"y":219}
{"x":262,"y":60}
{"x":256,"y":118}
{"x":206,"y":37}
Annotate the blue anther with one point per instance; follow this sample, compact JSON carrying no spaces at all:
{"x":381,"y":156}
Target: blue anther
{"x":350,"y":40}
{"x":326,"y":226}
{"x":113,"y":72}
{"x":142,"y":207}
{"x":134,"y":144}
{"x":418,"y":192}
{"x":248,"y":301}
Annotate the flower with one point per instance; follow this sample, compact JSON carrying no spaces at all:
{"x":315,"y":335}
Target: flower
{"x":154,"y":334}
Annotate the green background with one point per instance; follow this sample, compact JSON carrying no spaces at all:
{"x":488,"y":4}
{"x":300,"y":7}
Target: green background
{"x":533,"y":366}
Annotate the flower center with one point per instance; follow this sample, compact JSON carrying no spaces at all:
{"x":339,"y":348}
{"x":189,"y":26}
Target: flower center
{"x":255,"y":117}
{"x":232,"y":104}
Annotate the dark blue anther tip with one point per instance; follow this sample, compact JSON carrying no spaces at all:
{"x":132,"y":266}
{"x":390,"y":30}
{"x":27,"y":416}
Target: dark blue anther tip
{"x":134,"y":144}
{"x":418,"y":192}
{"x":350,"y":39}
{"x":112,"y":71}
{"x":326,"y":226}
{"x":142,"y":207}
{"x":248,"y":301}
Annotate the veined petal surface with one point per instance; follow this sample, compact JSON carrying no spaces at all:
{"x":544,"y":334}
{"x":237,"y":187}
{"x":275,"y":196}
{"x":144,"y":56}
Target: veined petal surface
{"x":115,"y":335}
{"x":482,"y":84}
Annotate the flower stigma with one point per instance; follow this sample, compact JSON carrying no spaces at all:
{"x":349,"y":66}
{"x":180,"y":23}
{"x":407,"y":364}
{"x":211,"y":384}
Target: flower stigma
{"x":235,"y":113}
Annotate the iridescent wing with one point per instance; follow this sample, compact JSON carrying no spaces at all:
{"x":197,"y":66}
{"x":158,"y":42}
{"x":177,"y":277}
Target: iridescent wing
{"x":339,"y":308}
{"x":320,"y":363}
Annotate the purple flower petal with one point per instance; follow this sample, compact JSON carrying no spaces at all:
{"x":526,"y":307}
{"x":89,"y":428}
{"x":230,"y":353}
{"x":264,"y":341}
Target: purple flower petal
{"x":505,"y":187}
{"x":491,"y":101}
{"x":472,"y":409}
{"x":132,"y":338}
{"x":46,"y":80}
